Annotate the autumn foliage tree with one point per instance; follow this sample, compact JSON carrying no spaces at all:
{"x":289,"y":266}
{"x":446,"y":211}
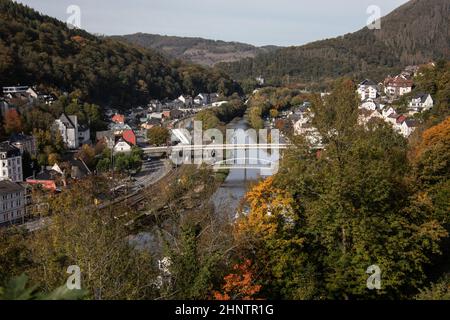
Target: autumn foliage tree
{"x":240,"y":284}
{"x":431,"y":164}
{"x":12,"y":122}
{"x":268,"y":235}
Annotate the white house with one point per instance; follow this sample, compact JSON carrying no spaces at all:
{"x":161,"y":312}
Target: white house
{"x":202,"y":99}
{"x":21,"y":89}
{"x":13,"y":202}
{"x":122,"y":146}
{"x":397,"y":86}
{"x":367,"y":90}
{"x":187,"y":100}
{"x":10,"y":163}
{"x":407,"y":127}
{"x":421,"y":102}
{"x":72,"y":133}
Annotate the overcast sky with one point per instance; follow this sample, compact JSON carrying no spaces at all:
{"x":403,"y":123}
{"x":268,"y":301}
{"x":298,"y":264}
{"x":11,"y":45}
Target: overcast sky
{"x":258,"y":22}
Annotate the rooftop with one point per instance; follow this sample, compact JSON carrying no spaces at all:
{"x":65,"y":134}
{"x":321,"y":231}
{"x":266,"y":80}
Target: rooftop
{"x":7,"y":186}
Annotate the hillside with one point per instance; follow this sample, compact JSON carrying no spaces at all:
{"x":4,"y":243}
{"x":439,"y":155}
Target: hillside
{"x":197,"y":50}
{"x":37,"y":49}
{"x":414,"y":33}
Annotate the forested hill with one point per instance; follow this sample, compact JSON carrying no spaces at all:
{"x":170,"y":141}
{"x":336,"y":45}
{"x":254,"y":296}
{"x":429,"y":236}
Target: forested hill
{"x":37,"y":49}
{"x":197,"y":50}
{"x":414,"y":33}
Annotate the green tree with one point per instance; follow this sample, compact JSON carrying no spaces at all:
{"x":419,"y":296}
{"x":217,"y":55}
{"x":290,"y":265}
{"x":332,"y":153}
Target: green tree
{"x":352,"y":209}
{"x":158,"y":136}
{"x":94,"y":239}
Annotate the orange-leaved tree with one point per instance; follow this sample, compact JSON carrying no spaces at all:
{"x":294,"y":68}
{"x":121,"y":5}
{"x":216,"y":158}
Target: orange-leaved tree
{"x":12,"y":122}
{"x":240,"y":284}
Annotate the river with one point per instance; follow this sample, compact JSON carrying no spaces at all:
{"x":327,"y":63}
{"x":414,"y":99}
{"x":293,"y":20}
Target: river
{"x":228,"y":197}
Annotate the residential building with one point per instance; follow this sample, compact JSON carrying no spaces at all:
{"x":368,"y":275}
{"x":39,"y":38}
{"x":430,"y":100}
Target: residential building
{"x":13,"y":202}
{"x":72,"y":132}
{"x":122,"y":146}
{"x":72,"y":167}
{"x":202,"y":99}
{"x":21,"y":90}
{"x":46,"y":98}
{"x":156,"y":115}
{"x":119,"y":128}
{"x":397,"y":86}
{"x":150,"y":124}
{"x":48,"y":178}
{"x":118,"y":118}
{"x":10,"y":163}
{"x":129,"y":136}
{"x":107,"y":137}
{"x":407,"y":127}
{"x":367,"y":90}
{"x":187,"y":100}
{"x":421,"y":102}
{"x":24,"y":143}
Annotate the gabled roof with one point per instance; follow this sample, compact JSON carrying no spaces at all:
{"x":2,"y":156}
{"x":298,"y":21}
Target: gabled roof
{"x":367,"y":82}
{"x":67,"y":120}
{"x":398,"y":81}
{"x":401,"y":119}
{"x":7,"y":186}
{"x":422,"y":96}
{"x":10,"y":150}
{"x":122,"y":140}
{"x":411,"y":123}
{"x":45,"y":175}
{"x":83,"y":170}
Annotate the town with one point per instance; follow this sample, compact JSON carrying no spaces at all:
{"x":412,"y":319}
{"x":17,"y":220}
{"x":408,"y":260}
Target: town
{"x":130,"y":131}
{"x":168,"y":150}
{"x":124,"y":136}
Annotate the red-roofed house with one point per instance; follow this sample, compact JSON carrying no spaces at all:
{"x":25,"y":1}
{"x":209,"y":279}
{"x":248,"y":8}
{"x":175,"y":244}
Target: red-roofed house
{"x":129,"y":136}
{"x":118,"y":118}
{"x":397,"y":86}
{"x":401,"y":119}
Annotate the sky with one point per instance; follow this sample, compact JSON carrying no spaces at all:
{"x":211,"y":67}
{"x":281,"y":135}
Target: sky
{"x":257,"y":22}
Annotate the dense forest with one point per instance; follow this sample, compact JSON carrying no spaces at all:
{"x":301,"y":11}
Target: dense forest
{"x":415,"y":33}
{"x":39,"y":50}
{"x":197,"y":50}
